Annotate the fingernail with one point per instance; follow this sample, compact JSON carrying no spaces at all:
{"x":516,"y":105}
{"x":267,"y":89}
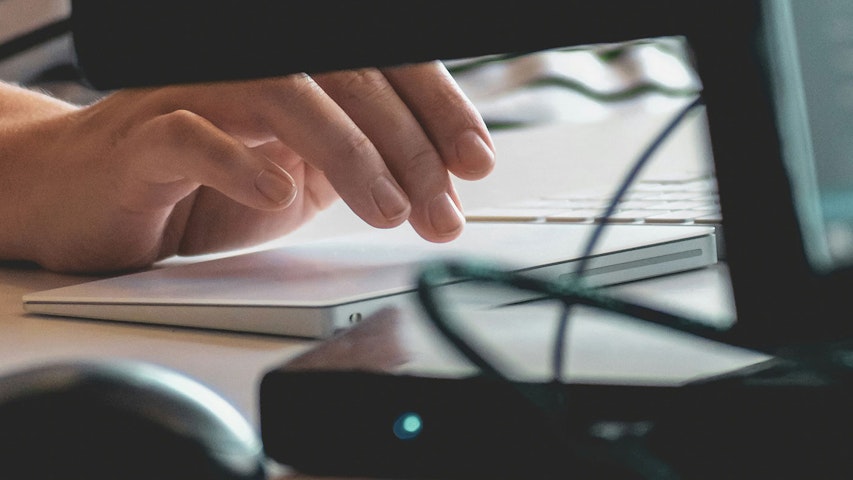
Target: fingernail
{"x":276,"y":185}
{"x":474,"y":155}
{"x":444,"y":217}
{"x":392,"y":202}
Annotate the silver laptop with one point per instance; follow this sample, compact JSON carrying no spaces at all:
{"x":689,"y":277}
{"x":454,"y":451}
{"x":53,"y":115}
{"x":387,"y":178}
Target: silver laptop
{"x":315,"y":289}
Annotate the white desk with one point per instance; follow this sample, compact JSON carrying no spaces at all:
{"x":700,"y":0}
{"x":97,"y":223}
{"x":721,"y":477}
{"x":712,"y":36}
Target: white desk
{"x":530,"y":161}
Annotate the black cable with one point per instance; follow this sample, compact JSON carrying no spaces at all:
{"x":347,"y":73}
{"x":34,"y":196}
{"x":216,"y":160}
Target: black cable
{"x":629,"y":452}
{"x":551,"y":400}
{"x":445,"y":273}
{"x":595,"y":236}
{"x":34,"y":38}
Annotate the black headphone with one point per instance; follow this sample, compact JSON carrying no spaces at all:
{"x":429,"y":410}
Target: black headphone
{"x":105,"y":419}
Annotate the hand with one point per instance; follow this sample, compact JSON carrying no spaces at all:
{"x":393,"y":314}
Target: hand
{"x":190,"y":169}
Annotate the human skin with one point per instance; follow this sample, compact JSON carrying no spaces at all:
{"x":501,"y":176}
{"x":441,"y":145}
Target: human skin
{"x":145,"y":174}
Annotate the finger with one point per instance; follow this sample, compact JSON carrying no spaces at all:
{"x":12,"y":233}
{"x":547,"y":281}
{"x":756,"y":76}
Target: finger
{"x":315,"y":191}
{"x":367,"y":97}
{"x":303,"y":116}
{"x":450,"y":120}
{"x":182,"y":150}
{"x":218,"y":223}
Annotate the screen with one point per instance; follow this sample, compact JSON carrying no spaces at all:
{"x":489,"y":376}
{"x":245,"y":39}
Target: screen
{"x":811,"y":45}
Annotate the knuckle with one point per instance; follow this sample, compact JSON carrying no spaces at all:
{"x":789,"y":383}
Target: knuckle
{"x":184,"y":130}
{"x":423,"y":163}
{"x":180,"y":127}
{"x":290,"y":90}
{"x":441,"y":99}
{"x":355,"y":147}
{"x":362,"y":85}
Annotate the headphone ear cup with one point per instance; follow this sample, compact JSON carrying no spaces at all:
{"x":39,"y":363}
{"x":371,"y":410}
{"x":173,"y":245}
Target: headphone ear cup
{"x":120,"y":420}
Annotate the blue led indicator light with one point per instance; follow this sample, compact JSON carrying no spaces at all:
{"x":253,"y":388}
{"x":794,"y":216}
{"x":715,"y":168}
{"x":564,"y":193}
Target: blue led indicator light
{"x":408,"y":426}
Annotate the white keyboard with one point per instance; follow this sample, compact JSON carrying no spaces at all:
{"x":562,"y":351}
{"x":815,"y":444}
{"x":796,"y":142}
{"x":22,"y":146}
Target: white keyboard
{"x":689,"y":199}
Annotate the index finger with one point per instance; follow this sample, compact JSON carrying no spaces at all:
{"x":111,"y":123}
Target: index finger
{"x":303,"y":116}
{"x":451,"y":121}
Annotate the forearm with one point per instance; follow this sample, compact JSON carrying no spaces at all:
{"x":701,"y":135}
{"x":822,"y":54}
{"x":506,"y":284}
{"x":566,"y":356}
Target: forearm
{"x":19,"y":105}
{"x":25,"y":135}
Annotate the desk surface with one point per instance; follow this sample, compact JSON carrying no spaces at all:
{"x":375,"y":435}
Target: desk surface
{"x":530,"y":161}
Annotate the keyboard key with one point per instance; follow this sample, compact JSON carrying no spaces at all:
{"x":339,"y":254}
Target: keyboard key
{"x":678,"y":216}
{"x":508,"y":214}
{"x":580,"y":216}
{"x":710,"y":219}
{"x":626,"y":216}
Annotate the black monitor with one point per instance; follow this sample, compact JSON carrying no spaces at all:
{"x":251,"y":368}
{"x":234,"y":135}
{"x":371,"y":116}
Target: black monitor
{"x":778,"y":102}
{"x":140,"y":42}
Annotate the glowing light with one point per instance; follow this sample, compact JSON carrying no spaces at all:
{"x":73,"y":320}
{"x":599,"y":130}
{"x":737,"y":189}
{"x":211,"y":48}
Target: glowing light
{"x":408,"y":426}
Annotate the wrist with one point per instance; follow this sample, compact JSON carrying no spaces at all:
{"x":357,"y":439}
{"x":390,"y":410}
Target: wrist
{"x":29,"y":140}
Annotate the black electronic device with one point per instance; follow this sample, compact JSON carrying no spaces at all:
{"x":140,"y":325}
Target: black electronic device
{"x":155,"y":42}
{"x":378,"y":402}
{"x":386,"y":426}
{"x":339,"y":423}
{"x":121,"y":419}
{"x":778,"y":112}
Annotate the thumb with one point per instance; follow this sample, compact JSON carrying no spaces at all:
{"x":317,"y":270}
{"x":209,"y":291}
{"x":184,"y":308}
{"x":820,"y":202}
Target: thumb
{"x":183,"y":150}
